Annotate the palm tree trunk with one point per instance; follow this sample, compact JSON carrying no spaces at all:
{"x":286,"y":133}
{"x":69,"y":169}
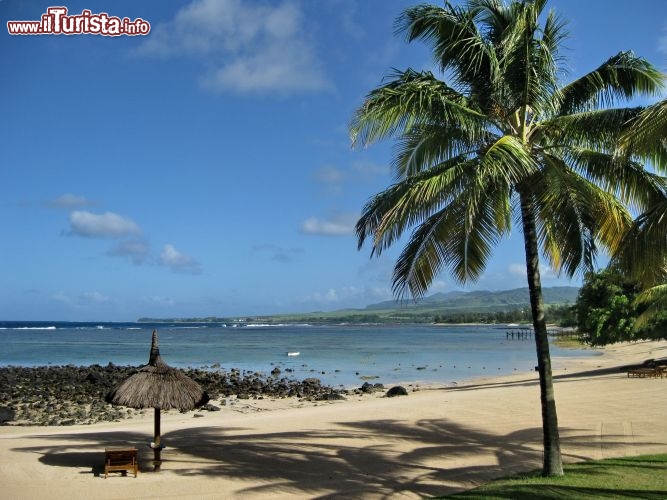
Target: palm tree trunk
{"x":552,"y":464}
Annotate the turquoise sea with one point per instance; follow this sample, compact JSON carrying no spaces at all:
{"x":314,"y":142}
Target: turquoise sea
{"x":344,"y":355}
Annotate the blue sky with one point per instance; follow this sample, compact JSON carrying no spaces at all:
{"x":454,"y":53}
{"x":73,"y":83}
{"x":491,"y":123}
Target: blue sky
{"x":206,"y":169}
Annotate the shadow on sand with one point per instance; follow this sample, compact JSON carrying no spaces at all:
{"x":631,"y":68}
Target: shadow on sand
{"x":532,"y":379}
{"x":352,"y":459}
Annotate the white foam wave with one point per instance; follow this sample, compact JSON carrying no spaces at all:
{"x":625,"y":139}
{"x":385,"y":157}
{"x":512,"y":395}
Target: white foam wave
{"x":32,"y":328}
{"x":275,"y":325}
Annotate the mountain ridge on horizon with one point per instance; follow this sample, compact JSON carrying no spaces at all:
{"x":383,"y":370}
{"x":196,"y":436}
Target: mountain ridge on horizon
{"x":551,"y":295}
{"x":476,"y":301}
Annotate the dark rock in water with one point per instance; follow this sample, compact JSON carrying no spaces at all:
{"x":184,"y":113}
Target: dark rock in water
{"x":397,"y":390}
{"x":66,"y":395}
{"x":369,"y":388}
{"x":275,"y":371}
{"x":6,"y":414}
{"x":96,"y":378}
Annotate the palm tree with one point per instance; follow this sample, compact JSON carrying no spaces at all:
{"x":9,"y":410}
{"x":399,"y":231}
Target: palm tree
{"x":503,"y":141}
{"x":643,"y":253}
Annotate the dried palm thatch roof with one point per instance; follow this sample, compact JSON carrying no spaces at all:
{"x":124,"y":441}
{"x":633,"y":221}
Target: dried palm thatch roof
{"x":158,"y":385}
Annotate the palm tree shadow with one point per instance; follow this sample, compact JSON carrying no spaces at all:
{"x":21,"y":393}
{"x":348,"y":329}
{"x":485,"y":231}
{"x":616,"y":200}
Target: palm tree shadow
{"x":86,"y":452}
{"x":92,"y":460}
{"x":351,"y":459}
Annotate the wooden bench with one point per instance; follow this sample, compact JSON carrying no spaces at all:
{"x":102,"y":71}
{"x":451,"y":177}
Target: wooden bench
{"x":120,"y":459}
{"x":646,"y":372}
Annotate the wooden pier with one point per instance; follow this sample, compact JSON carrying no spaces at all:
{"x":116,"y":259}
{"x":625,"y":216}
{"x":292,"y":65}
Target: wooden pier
{"x":527,"y":333}
{"x":522,"y":334}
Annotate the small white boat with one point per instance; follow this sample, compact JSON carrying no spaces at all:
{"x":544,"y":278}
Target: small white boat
{"x":293,"y":353}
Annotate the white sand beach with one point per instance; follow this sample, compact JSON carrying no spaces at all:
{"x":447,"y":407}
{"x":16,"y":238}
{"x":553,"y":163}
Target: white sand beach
{"x":432,"y":442}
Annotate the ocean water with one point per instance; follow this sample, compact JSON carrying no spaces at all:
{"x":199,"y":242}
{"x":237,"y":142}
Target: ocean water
{"x":340,"y":355}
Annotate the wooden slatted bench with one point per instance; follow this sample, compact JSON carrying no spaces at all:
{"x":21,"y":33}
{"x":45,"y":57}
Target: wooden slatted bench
{"x":646,"y":372}
{"x":120,"y":459}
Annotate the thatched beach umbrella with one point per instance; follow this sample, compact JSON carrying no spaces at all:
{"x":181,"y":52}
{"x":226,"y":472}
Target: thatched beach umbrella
{"x":158,"y":385}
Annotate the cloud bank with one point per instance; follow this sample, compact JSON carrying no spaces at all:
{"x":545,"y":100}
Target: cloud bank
{"x":334,"y":225}
{"x":177,"y":261}
{"x":69,"y":201}
{"x":106,"y":225}
{"x":250,"y":47}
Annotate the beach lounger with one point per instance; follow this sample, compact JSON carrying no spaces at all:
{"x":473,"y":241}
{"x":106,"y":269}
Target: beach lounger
{"x":120,"y":459}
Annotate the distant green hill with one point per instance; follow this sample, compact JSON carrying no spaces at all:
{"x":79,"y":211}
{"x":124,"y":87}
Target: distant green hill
{"x":482,"y":299}
{"x":460,"y":307}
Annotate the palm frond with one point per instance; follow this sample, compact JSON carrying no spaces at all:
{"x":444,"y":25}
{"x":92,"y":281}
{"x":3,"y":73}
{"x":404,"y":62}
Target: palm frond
{"x":622,"y":76}
{"x":509,"y":158}
{"x":457,"y":46}
{"x":405,"y":203}
{"x":646,"y":135}
{"x":627,"y":179}
{"x":430,"y":144}
{"x":412,"y":99}
{"x":573,"y":216}
{"x":460,"y":237}
{"x":643,"y":251}
{"x":528,"y":61}
{"x":656,"y":299}
{"x":598,"y":129}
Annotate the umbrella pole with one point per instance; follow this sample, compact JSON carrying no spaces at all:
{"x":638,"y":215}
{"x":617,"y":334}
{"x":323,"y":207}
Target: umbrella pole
{"x":157,"y":461}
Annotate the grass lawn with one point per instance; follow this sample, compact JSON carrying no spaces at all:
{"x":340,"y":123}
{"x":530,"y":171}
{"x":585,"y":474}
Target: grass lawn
{"x":629,"y":477}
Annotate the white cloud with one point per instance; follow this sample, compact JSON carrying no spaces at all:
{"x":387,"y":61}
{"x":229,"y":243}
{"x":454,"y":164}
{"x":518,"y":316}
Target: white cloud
{"x":137,"y":250}
{"x":284,"y":69}
{"x":349,"y":15}
{"x":516,"y":269}
{"x":349,"y":297}
{"x":83,"y":300}
{"x":178,"y":262}
{"x":439,"y":286}
{"x":94,"y":297}
{"x":360,"y":171}
{"x":157,"y":300}
{"x":329,"y":175}
{"x":106,"y":225}
{"x":547,"y":272}
{"x":69,"y":201}
{"x":366,"y":169}
{"x":328,"y":297}
{"x":251,"y":47}
{"x":519,"y":270}
{"x":278,"y":254}
{"x":63,"y":298}
{"x":335,"y":225}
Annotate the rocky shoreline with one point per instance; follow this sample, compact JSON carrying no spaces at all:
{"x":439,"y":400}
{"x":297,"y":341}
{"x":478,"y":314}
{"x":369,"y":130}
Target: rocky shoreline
{"x":70,"y":395}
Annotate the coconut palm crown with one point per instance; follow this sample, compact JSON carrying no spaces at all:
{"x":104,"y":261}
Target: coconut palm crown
{"x":643,"y":253}
{"x":495,"y":140}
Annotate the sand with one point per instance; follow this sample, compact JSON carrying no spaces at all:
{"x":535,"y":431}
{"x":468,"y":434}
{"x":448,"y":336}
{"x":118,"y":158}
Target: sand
{"x":434,"y":441}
